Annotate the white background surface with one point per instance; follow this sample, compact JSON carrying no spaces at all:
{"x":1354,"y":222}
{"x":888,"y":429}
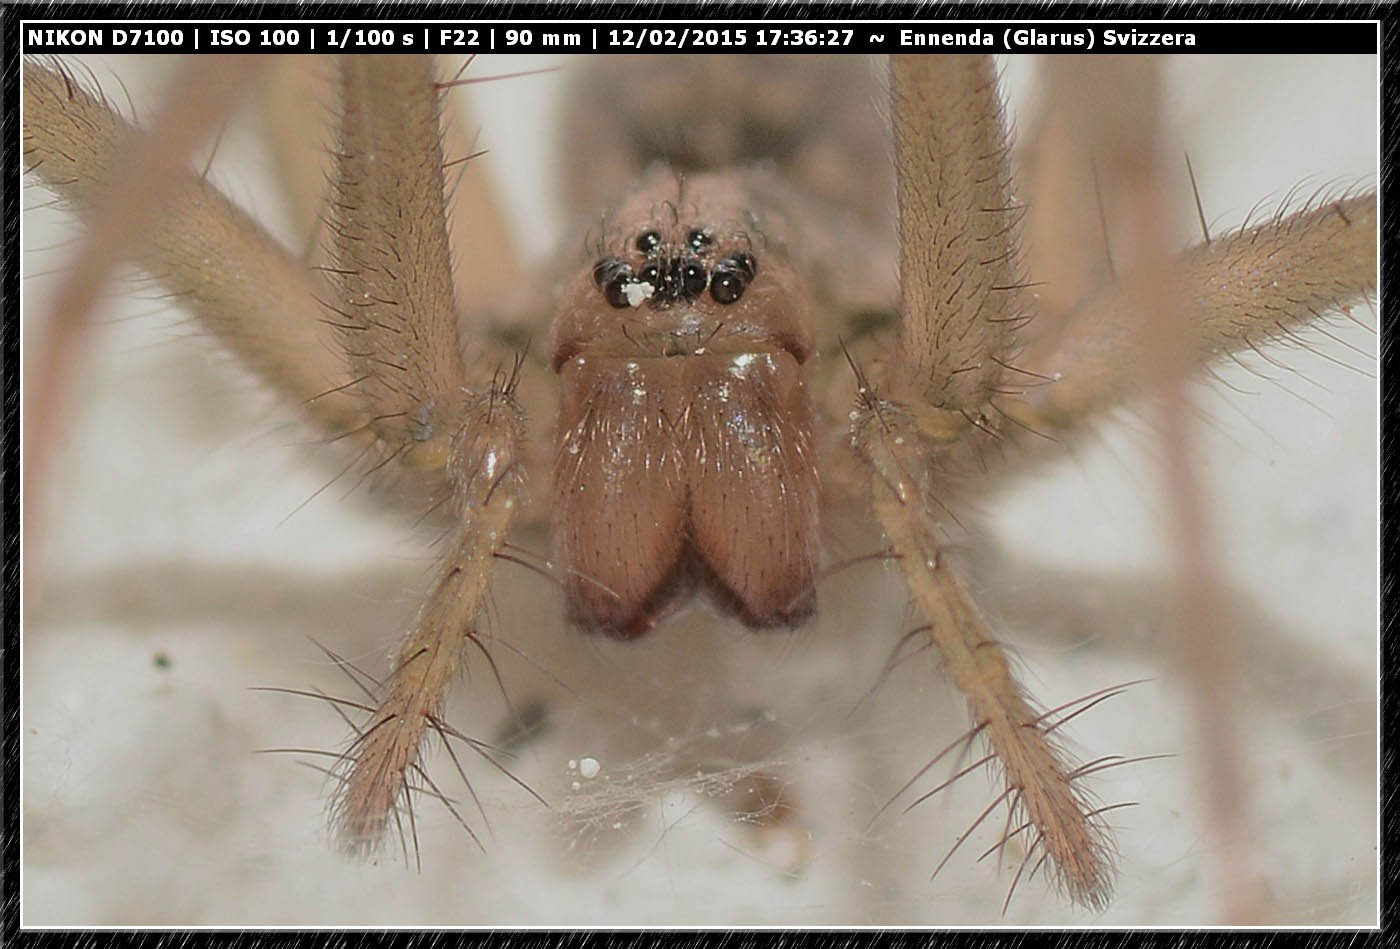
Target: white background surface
{"x":168,"y":532}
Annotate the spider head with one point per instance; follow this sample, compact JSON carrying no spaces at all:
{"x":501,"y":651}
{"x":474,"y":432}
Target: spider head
{"x":686,"y":267}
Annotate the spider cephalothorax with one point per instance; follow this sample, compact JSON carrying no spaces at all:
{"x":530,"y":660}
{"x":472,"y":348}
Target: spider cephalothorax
{"x":685,"y":451}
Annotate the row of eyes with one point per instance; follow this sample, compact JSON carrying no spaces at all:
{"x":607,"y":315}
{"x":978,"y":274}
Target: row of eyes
{"x":674,"y":278}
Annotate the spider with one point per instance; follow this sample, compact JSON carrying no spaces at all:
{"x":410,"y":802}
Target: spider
{"x":745,"y":709}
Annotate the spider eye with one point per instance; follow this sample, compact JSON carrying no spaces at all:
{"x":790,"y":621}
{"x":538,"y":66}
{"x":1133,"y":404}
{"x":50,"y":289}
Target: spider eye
{"x":647,"y":241}
{"x":726,"y":287}
{"x":616,"y":292}
{"x":731,"y":276}
{"x":608,"y":268}
{"x":693,"y":280}
{"x":651,"y":274}
{"x":614,"y":276}
{"x":699,"y":240}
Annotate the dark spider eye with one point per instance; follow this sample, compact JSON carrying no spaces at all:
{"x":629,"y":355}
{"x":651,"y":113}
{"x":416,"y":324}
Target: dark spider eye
{"x":616,"y":292}
{"x":693,"y":280}
{"x":647,"y":241}
{"x":731,"y":276}
{"x":614,"y":276}
{"x":699,"y":240}
{"x":608,"y":268}
{"x":726,"y":287}
{"x":651,"y":274}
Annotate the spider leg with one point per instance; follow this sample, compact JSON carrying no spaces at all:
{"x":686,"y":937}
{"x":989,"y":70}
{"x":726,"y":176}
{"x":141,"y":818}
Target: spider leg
{"x":402,"y":338}
{"x":1240,"y":291}
{"x":483,"y":248}
{"x":296,"y":102}
{"x":957,"y":252}
{"x":1064,"y":235}
{"x":246,"y":290}
{"x":1234,"y":292}
{"x":921,"y":421}
{"x":1156,"y":320}
{"x":385,"y":365}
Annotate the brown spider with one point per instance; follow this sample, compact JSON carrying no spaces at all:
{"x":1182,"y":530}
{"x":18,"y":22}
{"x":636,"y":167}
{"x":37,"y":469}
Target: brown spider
{"x":715,"y":710}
